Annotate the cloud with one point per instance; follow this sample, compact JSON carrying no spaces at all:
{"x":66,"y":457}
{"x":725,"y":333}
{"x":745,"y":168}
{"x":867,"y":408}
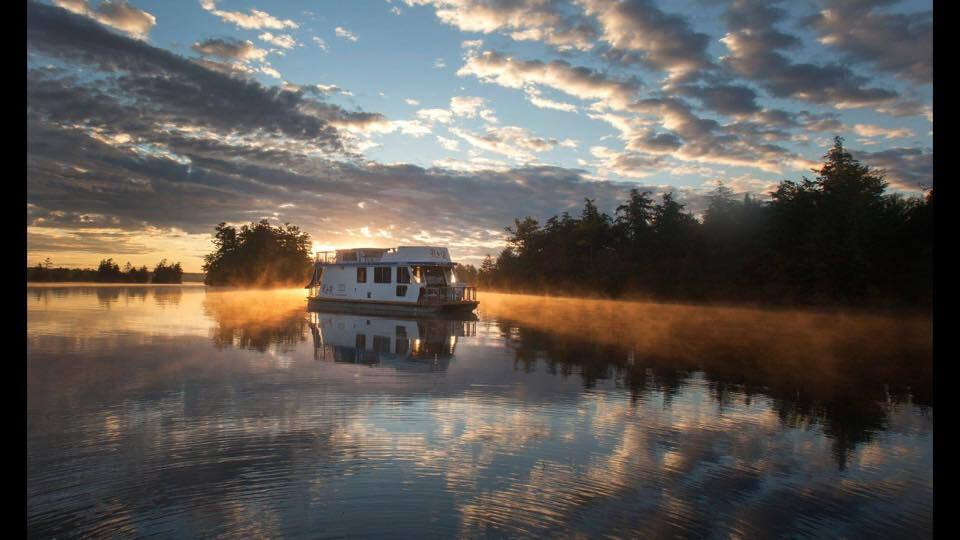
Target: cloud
{"x":668,"y":126}
{"x":133,"y":86}
{"x":468,"y":106}
{"x":254,"y":20}
{"x":635,"y":31}
{"x":435,"y":115}
{"x":535,"y":97}
{"x":868,"y":130}
{"x":345,"y":34}
{"x":280,"y":40}
{"x":727,"y":99}
{"x":380,"y":125}
{"x":898,"y":43}
{"x":579,"y":82}
{"x":907,"y":108}
{"x":472,"y":165}
{"x":330,"y":89}
{"x":755,"y":47}
{"x":706,"y":140}
{"x":513,"y":141}
{"x":819,"y":122}
{"x":535,"y":20}
{"x":627,"y":164}
{"x":269,"y":71}
{"x":320,"y":43}
{"x":638,"y":31}
{"x":229,"y":48}
{"x":115,"y":14}
{"x":449,"y":144}
{"x":905,"y":168}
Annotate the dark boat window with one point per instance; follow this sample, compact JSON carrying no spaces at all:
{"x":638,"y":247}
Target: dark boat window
{"x":362,"y":274}
{"x":401,"y":290}
{"x":381,"y":344}
{"x":361,"y":342}
{"x":403,"y":275}
{"x":382,"y":274}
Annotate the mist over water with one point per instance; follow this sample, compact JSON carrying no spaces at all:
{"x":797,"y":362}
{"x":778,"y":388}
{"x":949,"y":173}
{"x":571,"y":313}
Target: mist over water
{"x":186,"y":411}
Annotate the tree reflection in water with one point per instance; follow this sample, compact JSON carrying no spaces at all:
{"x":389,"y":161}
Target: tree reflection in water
{"x":839,"y":371}
{"x":242,"y":319}
{"x":842,"y":372}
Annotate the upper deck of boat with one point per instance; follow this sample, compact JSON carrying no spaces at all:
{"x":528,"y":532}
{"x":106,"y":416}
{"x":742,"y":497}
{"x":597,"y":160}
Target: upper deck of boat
{"x":402,"y":255}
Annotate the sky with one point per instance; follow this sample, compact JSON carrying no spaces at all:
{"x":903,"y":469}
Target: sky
{"x":437,"y":122}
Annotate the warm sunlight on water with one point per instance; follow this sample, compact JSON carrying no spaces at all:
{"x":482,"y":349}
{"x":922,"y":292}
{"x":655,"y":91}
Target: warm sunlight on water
{"x":185,"y":411}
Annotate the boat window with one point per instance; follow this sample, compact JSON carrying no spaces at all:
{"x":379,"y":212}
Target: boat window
{"x":382,"y":274}
{"x":417,"y":274}
{"x":401,"y":290}
{"x":403,"y":274}
{"x":381,"y":344}
{"x":361,"y":274}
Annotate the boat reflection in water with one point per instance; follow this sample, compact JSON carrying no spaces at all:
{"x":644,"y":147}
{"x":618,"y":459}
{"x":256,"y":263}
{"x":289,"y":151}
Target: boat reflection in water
{"x":418,"y":344}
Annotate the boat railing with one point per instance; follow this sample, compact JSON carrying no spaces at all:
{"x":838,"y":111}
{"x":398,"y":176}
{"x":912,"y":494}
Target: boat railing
{"x":327,"y":257}
{"x":332,"y":257}
{"x":446,"y":295}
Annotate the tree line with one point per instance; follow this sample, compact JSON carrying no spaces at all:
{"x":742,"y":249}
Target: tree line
{"x":108,"y":271}
{"x":838,"y":238}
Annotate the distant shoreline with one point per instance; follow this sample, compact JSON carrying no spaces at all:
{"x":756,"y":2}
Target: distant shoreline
{"x":187,"y":277}
{"x":39,"y":284}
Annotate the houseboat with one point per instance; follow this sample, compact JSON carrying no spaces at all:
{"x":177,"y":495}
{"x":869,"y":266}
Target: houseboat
{"x":417,"y":279}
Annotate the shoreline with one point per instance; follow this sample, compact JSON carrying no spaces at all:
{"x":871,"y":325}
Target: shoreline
{"x":917,"y":311}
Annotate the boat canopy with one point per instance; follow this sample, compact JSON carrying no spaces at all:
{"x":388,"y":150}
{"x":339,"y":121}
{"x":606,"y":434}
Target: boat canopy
{"x":402,"y":255}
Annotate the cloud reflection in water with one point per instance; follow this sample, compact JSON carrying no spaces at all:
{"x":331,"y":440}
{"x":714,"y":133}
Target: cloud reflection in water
{"x":543,"y":417}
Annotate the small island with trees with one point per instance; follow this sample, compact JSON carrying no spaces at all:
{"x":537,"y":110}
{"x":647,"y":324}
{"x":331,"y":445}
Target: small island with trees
{"x":258,"y":254}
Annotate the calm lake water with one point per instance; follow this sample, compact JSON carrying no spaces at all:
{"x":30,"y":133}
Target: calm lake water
{"x":185,"y":411}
